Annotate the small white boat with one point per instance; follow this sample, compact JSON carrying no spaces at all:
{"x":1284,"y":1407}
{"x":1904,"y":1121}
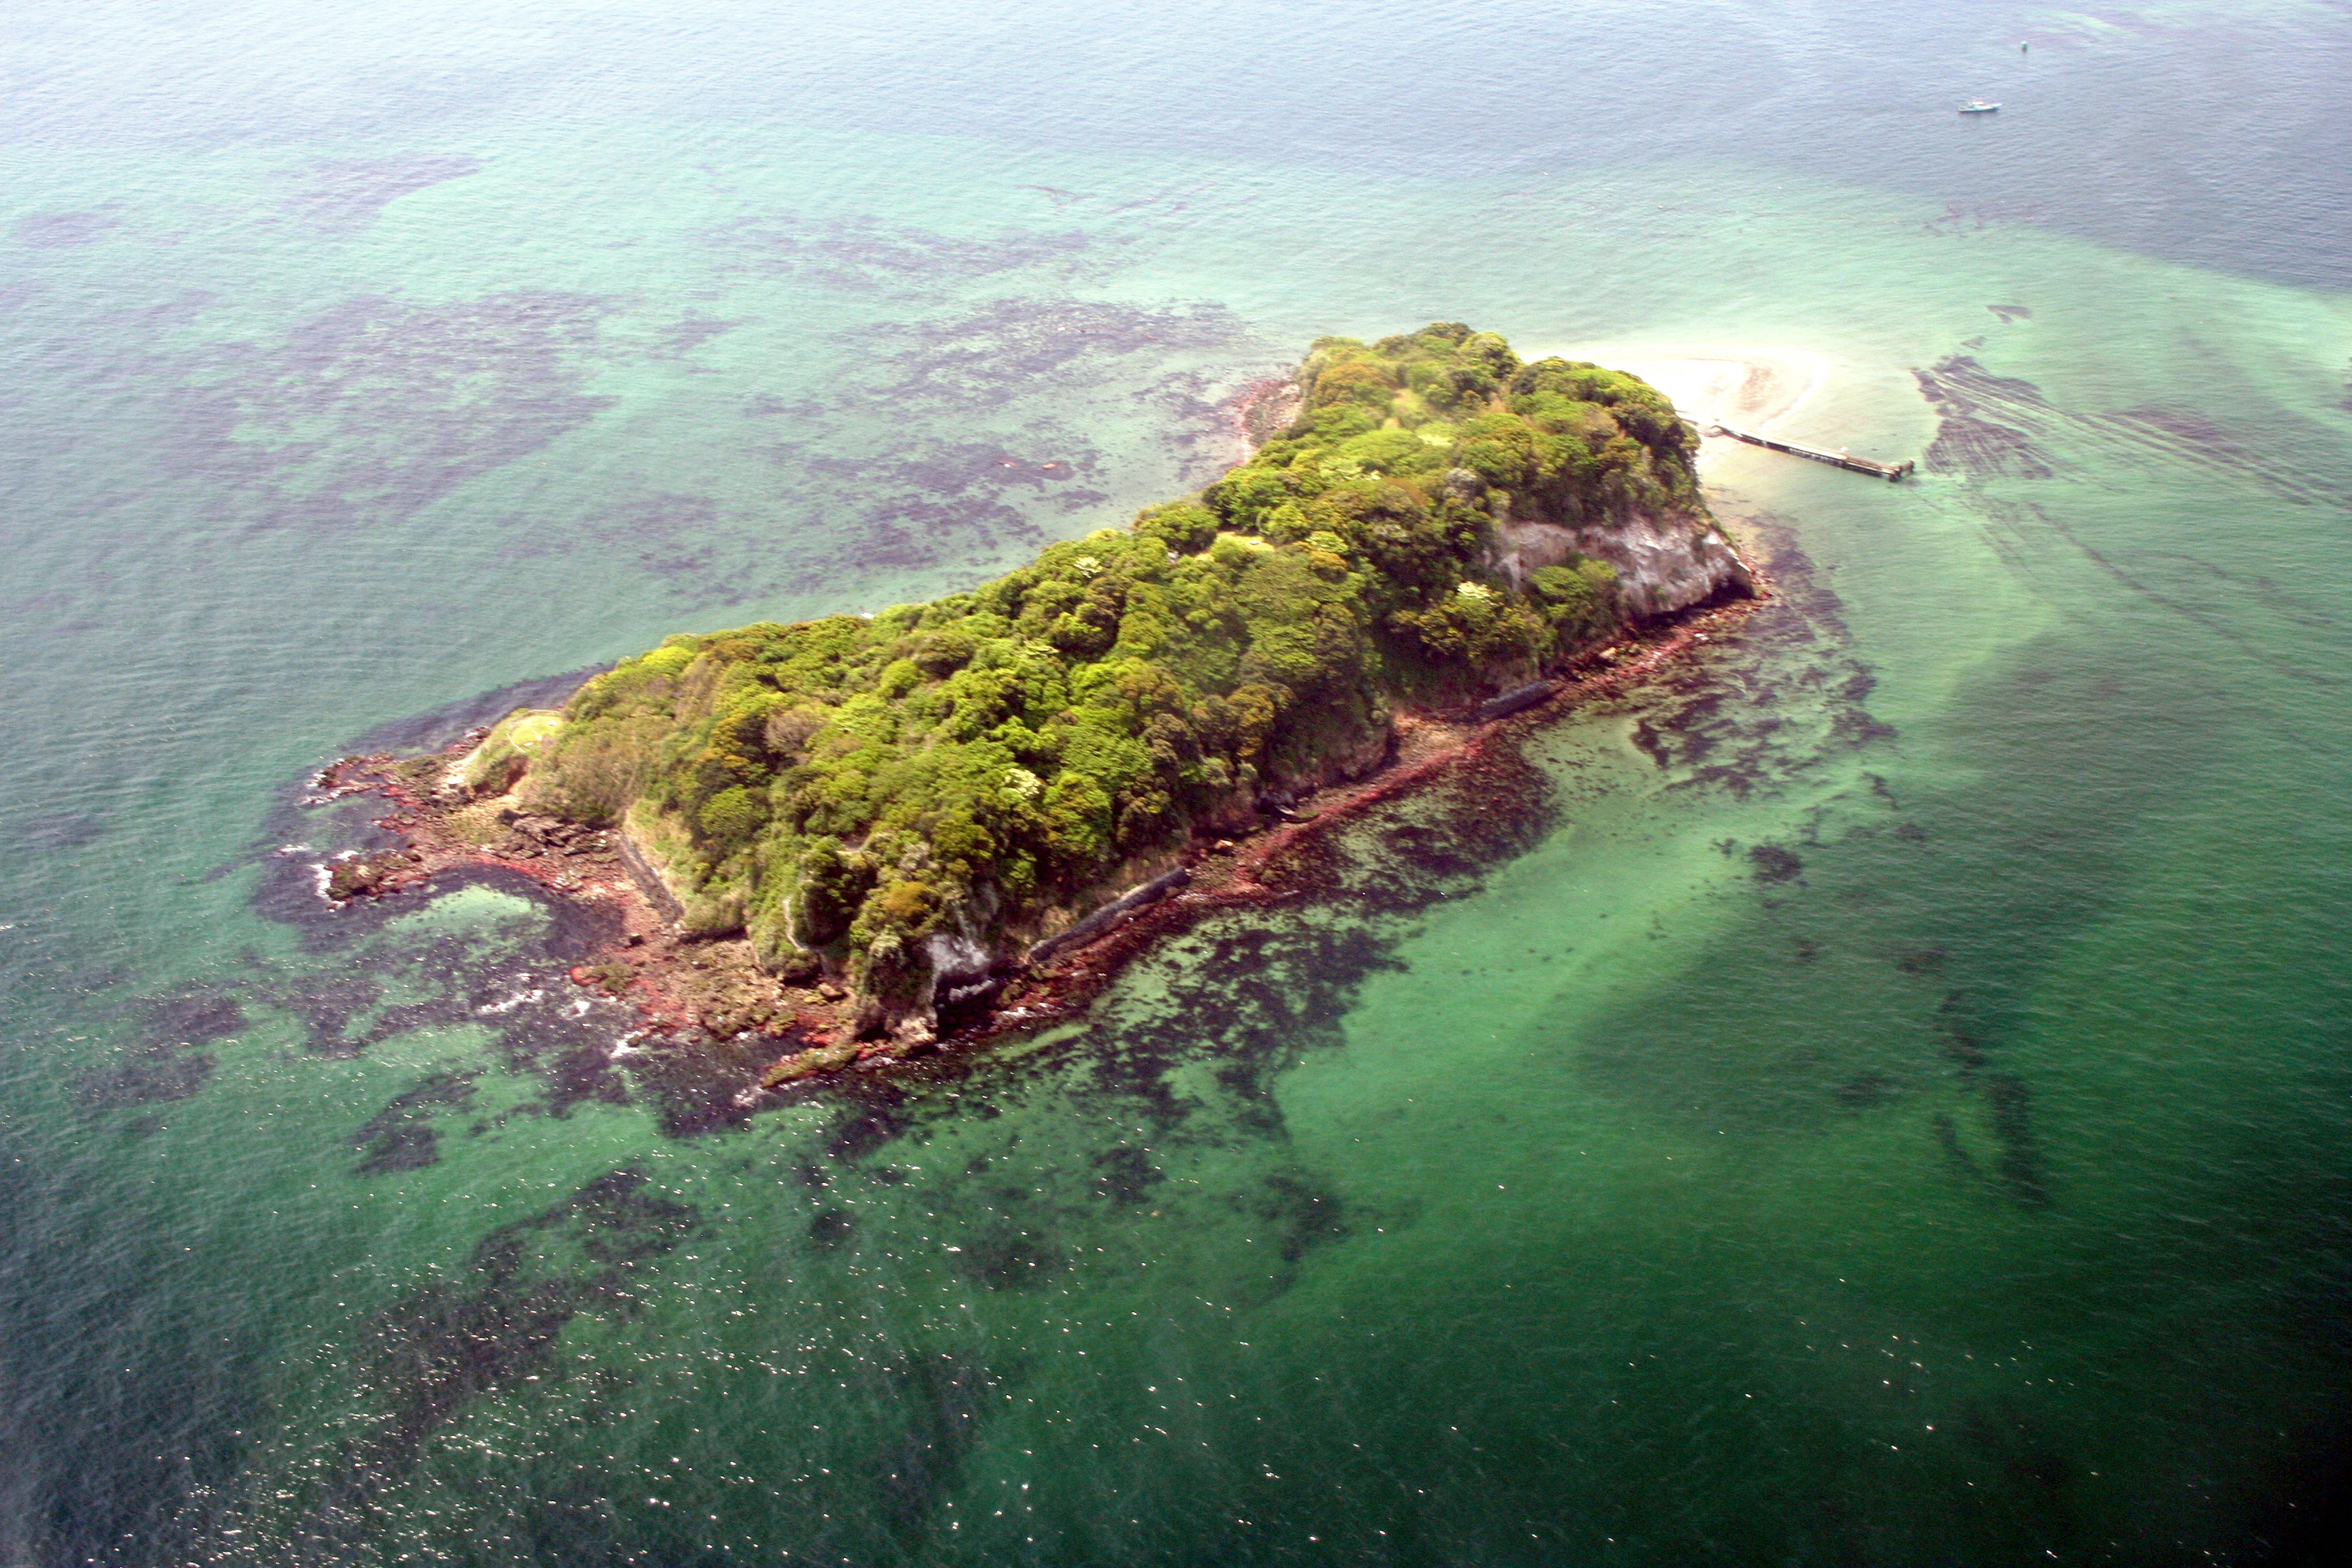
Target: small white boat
{"x":1978,"y":106}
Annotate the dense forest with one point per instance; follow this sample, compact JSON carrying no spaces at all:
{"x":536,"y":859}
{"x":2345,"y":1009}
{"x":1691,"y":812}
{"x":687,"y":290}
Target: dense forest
{"x":890,"y":797}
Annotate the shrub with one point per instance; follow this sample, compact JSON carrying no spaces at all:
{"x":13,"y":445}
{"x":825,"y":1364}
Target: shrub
{"x":733,"y":816}
{"x":1354,"y":382}
{"x":833,"y":886}
{"x":1183,"y":528}
{"x":1580,"y":594}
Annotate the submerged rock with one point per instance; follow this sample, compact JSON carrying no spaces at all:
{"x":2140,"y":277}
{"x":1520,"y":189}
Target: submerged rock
{"x":810,"y":1063}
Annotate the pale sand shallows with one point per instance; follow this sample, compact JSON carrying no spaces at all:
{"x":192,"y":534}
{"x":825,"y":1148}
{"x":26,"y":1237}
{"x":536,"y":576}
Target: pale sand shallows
{"x":1748,"y":387}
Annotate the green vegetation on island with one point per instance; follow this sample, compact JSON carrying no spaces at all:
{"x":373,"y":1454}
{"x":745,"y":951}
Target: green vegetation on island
{"x":915,"y":795}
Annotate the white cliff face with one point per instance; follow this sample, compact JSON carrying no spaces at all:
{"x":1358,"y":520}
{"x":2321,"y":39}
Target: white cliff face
{"x":1663,"y":564}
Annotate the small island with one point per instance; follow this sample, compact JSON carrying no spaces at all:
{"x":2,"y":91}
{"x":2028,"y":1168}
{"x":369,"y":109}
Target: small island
{"x":834,"y":831}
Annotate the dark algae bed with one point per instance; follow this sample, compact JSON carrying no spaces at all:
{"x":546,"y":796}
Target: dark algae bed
{"x":890,"y":812}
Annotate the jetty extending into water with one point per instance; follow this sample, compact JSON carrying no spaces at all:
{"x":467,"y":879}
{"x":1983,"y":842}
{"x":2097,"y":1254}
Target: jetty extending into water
{"x":1890,"y":472}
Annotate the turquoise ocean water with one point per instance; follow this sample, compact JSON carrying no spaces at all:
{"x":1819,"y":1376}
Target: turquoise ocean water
{"x":1879,"y":1096}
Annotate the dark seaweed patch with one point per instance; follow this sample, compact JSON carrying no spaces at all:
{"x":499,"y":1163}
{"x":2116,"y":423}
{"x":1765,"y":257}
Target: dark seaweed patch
{"x":1970,"y":440}
{"x":1790,"y":699}
{"x":146,"y":1073}
{"x":690,"y":332}
{"x":927,"y":494}
{"x":2013,"y":1443}
{"x":326,"y":1008}
{"x":351,"y":193}
{"x":1982,"y":449}
{"x":1948,"y":1135}
{"x":1009,"y":1258}
{"x":59,"y":831}
{"x":165,"y":1062}
{"x":695,"y":1080}
{"x":2193,"y":437}
{"x":1866,"y":1089}
{"x":988,"y":356}
{"x":2181,"y":425}
{"x":376,"y":407}
{"x":943,"y":1400}
{"x":670,"y":536}
{"x":1958,"y":1040}
{"x":864,"y":255}
{"x":401,"y":1137}
{"x":975,"y":499}
{"x":194,"y":1018}
{"x":971,"y":500}
{"x":2019,"y":1165}
{"x":951,"y":470}
{"x":61,"y":231}
{"x":1304,"y":1211}
{"x":2173,"y":581}
{"x":769,"y":405}
{"x":1977,"y":215}
{"x":683,"y":540}
{"x":1126,"y":1175}
{"x":448,"y":1347}
{"x":1997,"y":427}
{"x":1730,"y":720}
{"x":1858,"y":727}
{"x":1959,"y":382}
{"x":873,"y":1111}
{"x":442,"y":1346}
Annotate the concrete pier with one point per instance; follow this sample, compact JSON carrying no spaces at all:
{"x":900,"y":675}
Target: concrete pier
{"x":1890,"y":472}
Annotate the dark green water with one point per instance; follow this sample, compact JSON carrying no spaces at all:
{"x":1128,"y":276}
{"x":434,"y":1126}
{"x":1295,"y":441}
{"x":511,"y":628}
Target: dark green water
{"x":1878,"y":1097}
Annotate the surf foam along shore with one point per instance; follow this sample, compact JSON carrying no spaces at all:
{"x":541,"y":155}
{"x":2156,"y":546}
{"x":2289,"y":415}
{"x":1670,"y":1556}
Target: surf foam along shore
{"x":878,"y":828}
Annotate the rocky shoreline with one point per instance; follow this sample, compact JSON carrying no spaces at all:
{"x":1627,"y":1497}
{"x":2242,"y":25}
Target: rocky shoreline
{"x":1265,"y":407}
{"x":714,"y":985}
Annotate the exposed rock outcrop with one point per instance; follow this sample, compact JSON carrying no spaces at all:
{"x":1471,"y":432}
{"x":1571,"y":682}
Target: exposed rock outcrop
{"x":1663,"y":564}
